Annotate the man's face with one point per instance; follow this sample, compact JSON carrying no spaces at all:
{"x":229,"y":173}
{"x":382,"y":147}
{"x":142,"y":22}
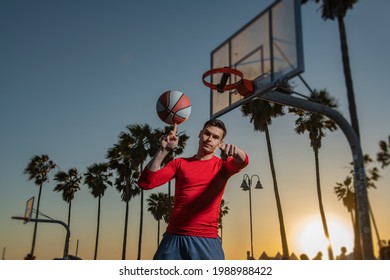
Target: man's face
{"x":210,"y":139}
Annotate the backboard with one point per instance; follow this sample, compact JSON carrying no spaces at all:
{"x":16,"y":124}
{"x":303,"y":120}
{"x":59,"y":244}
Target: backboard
{"x":29,"y":209}
{"x":267,"y":50}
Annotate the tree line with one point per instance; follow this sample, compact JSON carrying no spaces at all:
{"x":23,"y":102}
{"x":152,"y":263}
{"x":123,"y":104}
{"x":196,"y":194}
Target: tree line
{"x":121,"y":170}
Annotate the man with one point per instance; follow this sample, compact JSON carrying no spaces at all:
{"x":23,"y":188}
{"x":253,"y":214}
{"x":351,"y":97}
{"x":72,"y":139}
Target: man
{"x":343,"y":255}
{"x":318,"y":256}
{"x":200,"y":181}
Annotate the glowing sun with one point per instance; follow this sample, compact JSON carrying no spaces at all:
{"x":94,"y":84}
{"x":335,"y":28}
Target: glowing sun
{"x":311,"y":238}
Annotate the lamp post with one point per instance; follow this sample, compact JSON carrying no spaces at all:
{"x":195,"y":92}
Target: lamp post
{"x":246,"y":185}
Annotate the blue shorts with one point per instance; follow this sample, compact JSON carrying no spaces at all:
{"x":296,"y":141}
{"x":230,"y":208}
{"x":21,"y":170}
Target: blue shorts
{"x":183,"y":247}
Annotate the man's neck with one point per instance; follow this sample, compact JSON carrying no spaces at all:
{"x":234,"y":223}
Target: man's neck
{"x":203,"y":156}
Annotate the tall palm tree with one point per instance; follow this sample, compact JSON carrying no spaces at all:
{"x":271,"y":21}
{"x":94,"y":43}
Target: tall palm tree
{"x":119,"y":157}
{"x":316,"y":125}
{"x":68,"y":183}
{"x":97,"y":178}
{"x":224,"y":210}
{"x":158,"y":206}
{"x":128,"y":189}
{"x":344,"y":192}
{"x":337,"y":9}
{"x":144,"y":143}
{"x":139,"y":150}
{"x":261,"y":113}
{"x":38,"y":169}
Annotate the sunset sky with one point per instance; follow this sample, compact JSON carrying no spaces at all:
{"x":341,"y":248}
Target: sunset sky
{"x":75,"y":73}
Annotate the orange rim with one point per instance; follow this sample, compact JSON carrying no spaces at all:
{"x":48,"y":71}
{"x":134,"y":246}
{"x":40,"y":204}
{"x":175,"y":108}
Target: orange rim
{"x":223,"y":70}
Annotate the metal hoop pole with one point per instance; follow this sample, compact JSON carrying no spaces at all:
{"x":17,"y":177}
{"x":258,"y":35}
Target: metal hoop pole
{"x":357,"y":155}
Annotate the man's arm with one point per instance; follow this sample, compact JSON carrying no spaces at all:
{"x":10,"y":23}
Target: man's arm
{"x":167,"y":143}
{"x":155,"y":163}
{"x":237,"y":153}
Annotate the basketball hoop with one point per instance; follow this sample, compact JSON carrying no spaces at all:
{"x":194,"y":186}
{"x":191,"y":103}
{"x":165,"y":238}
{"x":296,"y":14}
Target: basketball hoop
{"x":29,"y":209}
{"x":244,"y":87}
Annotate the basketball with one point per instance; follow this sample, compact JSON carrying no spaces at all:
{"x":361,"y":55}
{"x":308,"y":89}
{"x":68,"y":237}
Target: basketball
{"x":173,"y":107}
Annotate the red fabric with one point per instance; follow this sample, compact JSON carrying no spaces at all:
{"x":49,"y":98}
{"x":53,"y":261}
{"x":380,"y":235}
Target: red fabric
{"x":199,"y":187}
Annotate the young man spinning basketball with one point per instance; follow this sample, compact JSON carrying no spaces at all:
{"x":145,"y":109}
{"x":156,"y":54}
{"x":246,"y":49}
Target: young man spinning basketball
{"x":200,"y":181}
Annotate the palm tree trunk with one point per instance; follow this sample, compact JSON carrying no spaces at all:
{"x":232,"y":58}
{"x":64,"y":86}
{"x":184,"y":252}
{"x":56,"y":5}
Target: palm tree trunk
{"x":97,"y":229}
{"x":321,"y":206}
{"x":141,"y":221}
{"x":277,"y":197}
{"x":125,"y":230}
{"x":357,"y":250}
{"x":348,"y":76}
{"x":353,"y":220}
{"x":69,"y":212}
{"x":374,"y":224}
{"x":221,"y":233}
{"x":36,"y":223}
{"x":127,"y":199}
{"x":158,"y":232}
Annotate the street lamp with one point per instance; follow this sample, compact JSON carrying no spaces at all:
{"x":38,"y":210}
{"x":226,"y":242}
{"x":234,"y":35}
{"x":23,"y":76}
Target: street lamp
{"x":246,"y":186}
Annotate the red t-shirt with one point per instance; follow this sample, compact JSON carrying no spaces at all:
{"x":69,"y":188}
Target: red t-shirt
{"x":199,"y":187}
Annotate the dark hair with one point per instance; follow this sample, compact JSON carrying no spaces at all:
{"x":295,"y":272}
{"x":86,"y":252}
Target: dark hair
{"x":218,"y":123}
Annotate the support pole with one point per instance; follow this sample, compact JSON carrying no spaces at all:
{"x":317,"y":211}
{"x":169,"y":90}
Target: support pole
{"x":67,"y":238}
{"x":357,"y":155}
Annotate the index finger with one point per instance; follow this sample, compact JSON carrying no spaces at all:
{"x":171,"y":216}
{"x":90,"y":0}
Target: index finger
{"x":174,"y":128}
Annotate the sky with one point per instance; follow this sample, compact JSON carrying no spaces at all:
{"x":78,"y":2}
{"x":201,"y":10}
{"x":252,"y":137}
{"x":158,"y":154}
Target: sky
{"x":74,"y":74}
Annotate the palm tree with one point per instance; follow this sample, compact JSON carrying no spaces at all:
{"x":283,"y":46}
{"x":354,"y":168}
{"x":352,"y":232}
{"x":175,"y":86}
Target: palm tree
{"x":383,"y":156}
{"x":68,"y":183}
{"x":224,"y":210}
{"x":337,"y":9}
{"x":136,"y":145}
{"x":158,"y":205}
{"x":261,"y":113}
{"x":316,"y":125}
{"x":119,"y":157}
{"x":140,"y":149}
{"x":97,"y":178}
{"x":38,"y":169}
{"x":128,"y":189}
{"x":344,"y":191}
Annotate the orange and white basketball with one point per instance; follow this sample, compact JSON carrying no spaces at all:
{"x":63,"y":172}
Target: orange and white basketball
{"x":173,"y":107}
